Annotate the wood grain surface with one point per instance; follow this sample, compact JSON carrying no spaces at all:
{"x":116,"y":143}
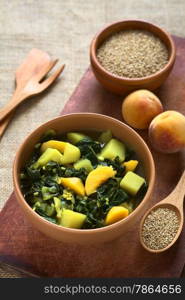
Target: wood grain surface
{"x":23,"y":246}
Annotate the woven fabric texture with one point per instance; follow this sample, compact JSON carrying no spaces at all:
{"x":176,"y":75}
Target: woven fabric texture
{"x":64,"y":29}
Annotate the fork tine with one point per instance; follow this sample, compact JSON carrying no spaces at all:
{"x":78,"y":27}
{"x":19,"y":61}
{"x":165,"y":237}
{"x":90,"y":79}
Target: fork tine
{"x":46,"y":70}
{"x":46,"y":83}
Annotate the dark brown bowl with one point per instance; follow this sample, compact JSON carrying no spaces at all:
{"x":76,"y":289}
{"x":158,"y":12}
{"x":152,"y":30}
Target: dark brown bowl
{"x":79,"y":122}
{"x":124,"y":85}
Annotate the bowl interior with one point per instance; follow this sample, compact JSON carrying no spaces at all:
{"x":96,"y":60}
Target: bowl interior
{"x":88,"y":121}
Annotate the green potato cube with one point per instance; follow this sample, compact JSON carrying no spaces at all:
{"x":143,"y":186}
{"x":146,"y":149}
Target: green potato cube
{"x":105,"y":137}
{"x":49,"y":154}
{"x":75,"y":137}
{"x":72,"y":219}
{"x":113,"y":149}
{"x":132,"y":183}
{"x":84,"y":163}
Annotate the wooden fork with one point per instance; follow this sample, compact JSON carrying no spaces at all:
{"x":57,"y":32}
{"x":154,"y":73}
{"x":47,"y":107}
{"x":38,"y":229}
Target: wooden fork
{"x":29,"y":81}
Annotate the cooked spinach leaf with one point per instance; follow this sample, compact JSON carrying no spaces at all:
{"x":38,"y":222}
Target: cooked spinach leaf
{"x":33,"y":174}
{"x":52,"y":168}
{"x":111,"y":193}
{"x":96,"y":206}
{"x":48,"y":135}
{"x":95,"y":145}
{"x":72,"y":172}
{"x":130,"y":154}
{"x":140,"y":195}
{"x":42,"y":213}
{"x":89,"y":149}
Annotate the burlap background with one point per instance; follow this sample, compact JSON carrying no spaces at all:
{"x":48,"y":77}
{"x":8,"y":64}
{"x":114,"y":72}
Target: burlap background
{"x":64,"y":28}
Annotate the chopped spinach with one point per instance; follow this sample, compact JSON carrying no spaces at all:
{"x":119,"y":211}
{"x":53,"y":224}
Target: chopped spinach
{"x":86,"y":142}
{"x":42,"y":213}
{"x":33,"y":174}
{"x":53,"y":168}
{"x":89,"y":149}
{"x":130,"y":154}
{"x":140,"y":195}
{"x":72,"y":172}
{"x":48,"y":135}
{"x":96,"y":206}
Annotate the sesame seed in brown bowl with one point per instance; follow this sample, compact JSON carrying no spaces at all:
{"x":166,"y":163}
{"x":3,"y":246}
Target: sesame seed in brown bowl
{"x":132,"y":54}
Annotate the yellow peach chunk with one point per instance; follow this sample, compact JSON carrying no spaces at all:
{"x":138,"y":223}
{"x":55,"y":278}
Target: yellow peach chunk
{"x":130,"y":165}
{"x":73,"y":183}
{"x":96,"y":177}
{"x":60,"y":146}
{"x":115,"y":214}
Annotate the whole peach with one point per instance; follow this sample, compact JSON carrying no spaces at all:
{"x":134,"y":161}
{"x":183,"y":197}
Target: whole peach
{"x":140,"y":107}
{"x":167,"y":132}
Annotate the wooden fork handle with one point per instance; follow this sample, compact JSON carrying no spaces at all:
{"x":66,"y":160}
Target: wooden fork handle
{"x":4,"y":123}
{"x":11,"y":105}
{"x":6,"y":120}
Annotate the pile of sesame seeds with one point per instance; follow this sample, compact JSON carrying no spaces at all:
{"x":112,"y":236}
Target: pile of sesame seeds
{"x":133,"y":54}
{"x":160,"y":228}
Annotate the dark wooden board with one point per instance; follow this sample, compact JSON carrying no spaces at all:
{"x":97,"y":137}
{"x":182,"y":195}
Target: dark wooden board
{"x":24,"y":246}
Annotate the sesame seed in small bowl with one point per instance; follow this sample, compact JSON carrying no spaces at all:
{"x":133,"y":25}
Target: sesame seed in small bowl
{"x":132,"y":54}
